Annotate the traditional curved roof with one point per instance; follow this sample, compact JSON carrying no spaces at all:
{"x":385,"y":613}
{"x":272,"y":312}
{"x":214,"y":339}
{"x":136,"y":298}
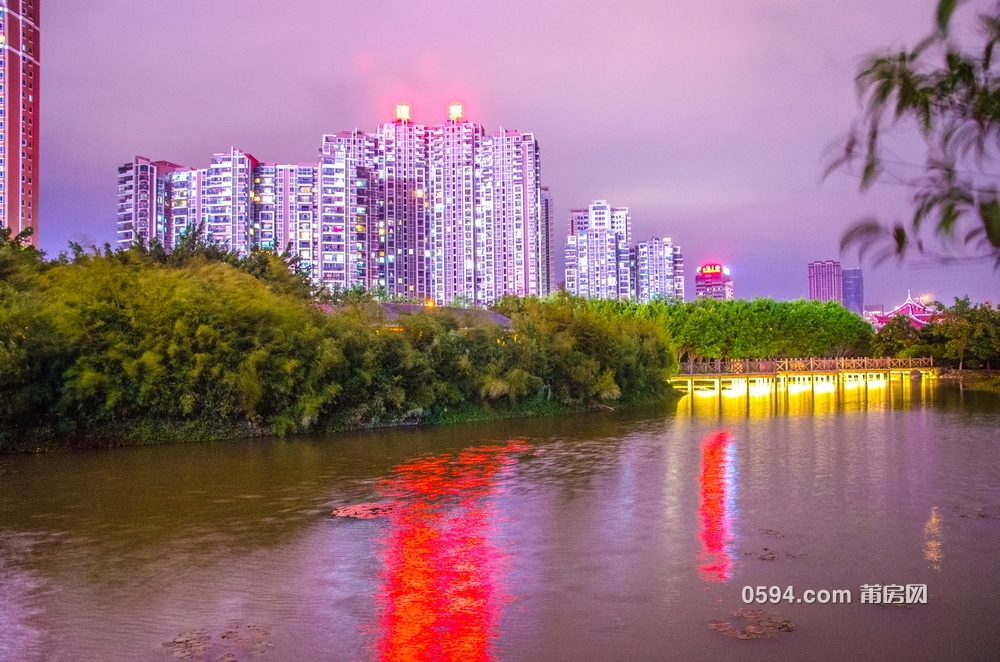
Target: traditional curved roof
{"x":918,"y":314}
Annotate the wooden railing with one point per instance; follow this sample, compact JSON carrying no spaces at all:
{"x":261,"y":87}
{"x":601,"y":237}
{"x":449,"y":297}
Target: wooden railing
{"x":775,"y":366}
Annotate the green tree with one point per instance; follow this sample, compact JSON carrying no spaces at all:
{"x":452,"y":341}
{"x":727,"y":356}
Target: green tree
{"x":952,"y":97}
{"x":895,"y":337}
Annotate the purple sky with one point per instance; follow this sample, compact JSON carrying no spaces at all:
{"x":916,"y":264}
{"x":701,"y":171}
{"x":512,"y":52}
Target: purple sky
{"x":709,"y":120}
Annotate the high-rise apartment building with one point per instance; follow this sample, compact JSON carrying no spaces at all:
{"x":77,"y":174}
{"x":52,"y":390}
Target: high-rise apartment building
{"x":444,"y":211}
{"x":183,"y":204}
{"x":854,"y":290}
{"x":511,"y":169}
{"x":713,"y":281}
{"x":461,"y":234}
{"x":20,"y":87}
{"x":227,"y":192}
{"x":142,"y":194}
{"x":547,"y":242}
{"x":402,"y":236}
{"x":598,"y":252}
{"x":349,"y":213}
{"x":826,"y":281}
{"x":281,"y":193}
{"x":658,"y":271}
{"x":162,"y":200}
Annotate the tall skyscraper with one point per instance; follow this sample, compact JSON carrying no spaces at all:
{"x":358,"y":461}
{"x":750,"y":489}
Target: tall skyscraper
{"x":659,"y":266}
{"x":228,"y":191}
{"x":461,"y":230}
{"x":349,"y":213}
{"x":853,"y":290}
{"x":547,"y":242}
{"x":825,"y":281}
{"x":19,"y":124}
{"x":713,"y":281}
{"x":402,"y":235}
{"x":598,"y":252}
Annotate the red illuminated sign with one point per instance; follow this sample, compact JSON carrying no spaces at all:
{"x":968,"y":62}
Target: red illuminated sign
{"x":712,"y":269}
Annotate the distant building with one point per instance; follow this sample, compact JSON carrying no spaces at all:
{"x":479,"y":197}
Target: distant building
{"x":142,"y":192}
{"x":853,"y":290}
{"x":870,"y":312}
{"x":280,"y":194}
{"x":547,"y":241}
{"x":712,"y":281}
{"x":598,"y":252}
{"x":658,"y":271}
{"x":448,"y":212}
{"x":918,"y":314}
{"x":826,"y":281}
{"x":20,"y":113}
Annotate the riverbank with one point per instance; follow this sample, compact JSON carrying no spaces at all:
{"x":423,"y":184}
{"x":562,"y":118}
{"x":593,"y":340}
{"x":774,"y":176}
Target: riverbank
{"x":977,"y":380}
{"x":151,"y":433}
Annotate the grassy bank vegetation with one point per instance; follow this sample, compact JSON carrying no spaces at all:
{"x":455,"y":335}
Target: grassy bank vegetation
{"x":139,"y":346}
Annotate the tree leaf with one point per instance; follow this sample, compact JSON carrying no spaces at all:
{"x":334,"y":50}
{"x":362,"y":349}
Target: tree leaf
{"x":989,"y":212}
{"x":944,"y":11}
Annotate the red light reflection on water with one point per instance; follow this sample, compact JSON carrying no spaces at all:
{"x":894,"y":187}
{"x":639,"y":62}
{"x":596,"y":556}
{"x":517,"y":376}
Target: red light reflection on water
{"x":716,"y":512}
{"x":442,"y":590}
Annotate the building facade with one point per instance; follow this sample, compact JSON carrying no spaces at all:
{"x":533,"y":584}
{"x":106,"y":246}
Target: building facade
{"x":658,"y":271}
{"x":853,"y":289}
{"x":598,"y":252}
{"x":20,"y":88}
{"x":404,"y":232}
{"x":142,"y":194}
{"x":713,"y":281}
{"x":826,"y":281}
{"x":444,"y":212}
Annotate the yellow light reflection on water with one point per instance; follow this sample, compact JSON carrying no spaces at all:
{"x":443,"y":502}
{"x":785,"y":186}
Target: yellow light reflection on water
{"x":828,"y":396}
{"x":934,"y":536}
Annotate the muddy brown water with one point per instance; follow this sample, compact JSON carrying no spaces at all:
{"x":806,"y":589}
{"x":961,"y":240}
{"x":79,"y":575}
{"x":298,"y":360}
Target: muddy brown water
{"x":606,"y":536}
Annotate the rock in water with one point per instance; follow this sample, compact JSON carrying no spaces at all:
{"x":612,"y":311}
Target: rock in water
{"x":364,"y":510}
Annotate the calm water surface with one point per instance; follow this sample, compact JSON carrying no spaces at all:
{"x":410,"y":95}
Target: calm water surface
{"x":611,"y":536}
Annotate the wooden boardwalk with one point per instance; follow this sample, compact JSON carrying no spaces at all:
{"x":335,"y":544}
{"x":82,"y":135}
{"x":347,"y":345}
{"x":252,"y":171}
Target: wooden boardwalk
{"x":778,"y":373}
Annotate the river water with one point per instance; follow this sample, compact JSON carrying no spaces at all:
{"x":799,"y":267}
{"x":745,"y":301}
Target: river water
{"x":601,"y":536}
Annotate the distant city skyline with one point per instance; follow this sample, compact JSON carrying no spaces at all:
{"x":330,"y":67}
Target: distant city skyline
{"x":449,"y":212}
{"x":733,"y":183}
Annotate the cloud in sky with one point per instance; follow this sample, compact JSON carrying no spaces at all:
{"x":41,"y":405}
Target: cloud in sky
{"x":709,"y":120}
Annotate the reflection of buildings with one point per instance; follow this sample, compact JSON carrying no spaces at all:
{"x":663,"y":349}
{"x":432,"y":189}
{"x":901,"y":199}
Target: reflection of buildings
{"x":918,"y":314}
{"x":826,"y":281}
{"x":718,"y":507}
{"x":712,"y":281}
{"x":442,"y":589}
{"x":854,"y":290}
